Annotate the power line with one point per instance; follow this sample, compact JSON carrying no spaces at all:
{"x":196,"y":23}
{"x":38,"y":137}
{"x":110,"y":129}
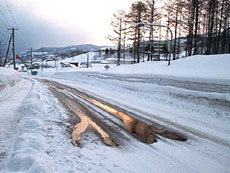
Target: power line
{"x":4,"y":21}
{"x":4,"y":43}
{"x":11,"y":14}
{"x":3,"y":35}
{"x":4,"y":24}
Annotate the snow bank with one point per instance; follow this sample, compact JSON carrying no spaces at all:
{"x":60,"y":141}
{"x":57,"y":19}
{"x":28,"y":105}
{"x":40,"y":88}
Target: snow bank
{"x":199,"y":68}
{"x":80,"y":58}
{"x":41,"y":142}
{"x":8,"y":78}
{"x":28,"y":151}
{"x":211,"y":68}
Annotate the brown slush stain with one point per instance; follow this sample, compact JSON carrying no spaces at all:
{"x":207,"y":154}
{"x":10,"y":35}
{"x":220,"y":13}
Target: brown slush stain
{"x":138,"y":129}
{"x":84,"y":123}
{"x":141,"y":131}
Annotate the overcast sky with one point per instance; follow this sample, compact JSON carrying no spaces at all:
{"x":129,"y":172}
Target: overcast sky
{"x":60,"y":22}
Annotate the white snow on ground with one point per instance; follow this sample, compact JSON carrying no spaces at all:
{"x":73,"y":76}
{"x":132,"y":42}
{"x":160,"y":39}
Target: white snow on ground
{"x":8,"y":79}
{"x":80,"y":58}
{"x":200,"y":112}
{"x":12,"y":93}
{"x":41,"y":143}
{"x":196,"y":68}
{"x":211,"y":68}
{"x":35,"y":127}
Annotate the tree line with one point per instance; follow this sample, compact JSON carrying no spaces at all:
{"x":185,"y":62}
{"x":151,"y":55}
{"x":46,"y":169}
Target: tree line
{"x":198,"y":27}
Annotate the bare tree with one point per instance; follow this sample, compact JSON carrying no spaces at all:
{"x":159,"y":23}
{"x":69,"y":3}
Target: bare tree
{"x":118,"y":28}
{"x":223,"y":9}
{"x":174,"y":6}
{"x":205,"y":24}
{"x":153,"y":16}
{"x":167,"y":15}
{"x":212,"y":4}
{"x":137,"y":14}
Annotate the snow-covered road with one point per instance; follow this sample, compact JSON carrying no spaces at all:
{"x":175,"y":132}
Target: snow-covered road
{"x":202,"y":115}
{"x":35,"y":126}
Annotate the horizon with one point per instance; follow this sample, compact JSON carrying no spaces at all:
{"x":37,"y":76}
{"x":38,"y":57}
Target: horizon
{"x":53,"y":23}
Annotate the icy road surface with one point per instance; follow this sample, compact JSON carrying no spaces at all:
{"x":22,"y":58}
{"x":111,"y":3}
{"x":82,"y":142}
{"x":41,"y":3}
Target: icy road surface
{"x":39,"y":127}
{"x":201,"y":114}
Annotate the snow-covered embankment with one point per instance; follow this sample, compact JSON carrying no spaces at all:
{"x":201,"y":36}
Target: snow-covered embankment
{"x":8,"y":78}
{"x":199,"y":68}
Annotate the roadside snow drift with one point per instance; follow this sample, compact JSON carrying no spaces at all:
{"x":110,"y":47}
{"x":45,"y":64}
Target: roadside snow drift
{"x":211,"y":68}
{"x":199,"y":68}
{"x":8,"y":78}
{"x":13,"y":90}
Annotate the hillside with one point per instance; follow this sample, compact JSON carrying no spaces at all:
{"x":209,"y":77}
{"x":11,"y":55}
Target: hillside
{"x":82,"y":48}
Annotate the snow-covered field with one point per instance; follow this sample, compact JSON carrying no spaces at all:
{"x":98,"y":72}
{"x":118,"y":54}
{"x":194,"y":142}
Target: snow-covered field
{"x":199,"y":68}
{"x":192,"y":96}
{"x":213,"y":68}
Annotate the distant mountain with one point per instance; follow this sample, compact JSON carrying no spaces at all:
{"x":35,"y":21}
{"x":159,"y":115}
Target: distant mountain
{"x":68,"y":49}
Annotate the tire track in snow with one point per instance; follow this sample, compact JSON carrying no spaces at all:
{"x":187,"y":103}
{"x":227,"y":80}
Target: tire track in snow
{"x":198,"y":86}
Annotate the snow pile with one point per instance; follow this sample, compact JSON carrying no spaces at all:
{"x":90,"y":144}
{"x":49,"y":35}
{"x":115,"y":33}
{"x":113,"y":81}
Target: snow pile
{"x":41,"y":142}
{"x":80,"y":58}
{"x":199,"y":68}
{"x":8,"y":78}
{"x":28,"y":148}
{"x":196,"y":68}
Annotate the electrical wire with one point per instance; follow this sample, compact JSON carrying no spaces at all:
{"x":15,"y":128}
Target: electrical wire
{"x":4,"y":21}
{"x":6,"y":37}
{"x":11,"y":14}
{"x":3,"y":35}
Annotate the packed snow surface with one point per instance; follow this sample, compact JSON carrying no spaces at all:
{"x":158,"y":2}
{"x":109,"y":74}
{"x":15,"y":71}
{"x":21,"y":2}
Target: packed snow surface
{"x":191,"y":95}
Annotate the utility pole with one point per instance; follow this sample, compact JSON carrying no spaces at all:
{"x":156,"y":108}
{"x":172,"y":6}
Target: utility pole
{"x":31,"y":60}
{"x":7,"y":52}
{"x":57,"y":63}
{"x":88,"y":60}
{"x":13,"y":48}
{"x":42,"y":59}
{"x":1,"y":53}
{"x":12,"y":39}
